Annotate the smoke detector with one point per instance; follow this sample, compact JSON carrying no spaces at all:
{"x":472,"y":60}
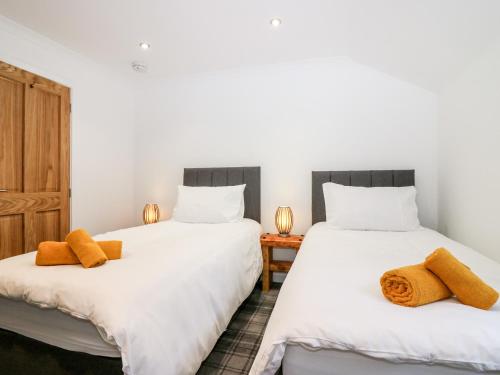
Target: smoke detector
{"x":139,"y":67}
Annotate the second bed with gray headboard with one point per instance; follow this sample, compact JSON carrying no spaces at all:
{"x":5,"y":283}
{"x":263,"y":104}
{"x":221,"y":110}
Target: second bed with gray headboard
{"x":397,"y":178}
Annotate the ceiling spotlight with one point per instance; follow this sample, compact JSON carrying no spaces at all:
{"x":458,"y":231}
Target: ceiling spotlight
{"x":144,"y":45}
{"x":276,"y":22}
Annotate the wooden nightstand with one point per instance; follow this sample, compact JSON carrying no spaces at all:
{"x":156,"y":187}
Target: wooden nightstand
{"x":268,"y":242}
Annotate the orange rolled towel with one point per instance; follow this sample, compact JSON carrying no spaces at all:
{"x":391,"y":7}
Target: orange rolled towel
{"x":465,"y":284}
{"x":413,"y":286}
{"x":86,"y":249}
{"x":52,"y":253}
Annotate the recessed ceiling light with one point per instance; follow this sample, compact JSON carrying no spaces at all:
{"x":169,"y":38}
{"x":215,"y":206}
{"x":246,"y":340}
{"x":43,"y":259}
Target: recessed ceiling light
{"x":144,"y":45}
{"x":275,"y":22}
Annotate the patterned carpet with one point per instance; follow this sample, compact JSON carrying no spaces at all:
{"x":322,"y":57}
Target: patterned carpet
{"x":237,"y":347}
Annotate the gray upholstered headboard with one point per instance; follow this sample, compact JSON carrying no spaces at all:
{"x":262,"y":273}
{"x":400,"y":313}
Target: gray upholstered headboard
{"x":354,"y":178}
{"x":229,"y":177}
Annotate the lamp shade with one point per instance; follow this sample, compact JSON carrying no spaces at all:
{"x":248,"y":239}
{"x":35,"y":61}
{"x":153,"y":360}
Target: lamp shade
{"x":284,"y":220}
{"x":151,"y":214}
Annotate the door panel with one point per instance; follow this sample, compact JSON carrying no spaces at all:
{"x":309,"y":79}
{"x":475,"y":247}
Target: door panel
{"x":11,"y":235}
{"x":34,"y":160}
{"x":47,"y":225}
{"x":11,"y":135}
{"x":42,"y":140}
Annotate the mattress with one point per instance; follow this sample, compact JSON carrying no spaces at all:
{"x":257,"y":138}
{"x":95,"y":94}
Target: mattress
{"x":164,"y":304}
{"x":53,"y":327}
{"x":331,"y":300}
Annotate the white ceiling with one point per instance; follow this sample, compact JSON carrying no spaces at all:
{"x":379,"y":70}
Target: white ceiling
{"x":423,"y":41}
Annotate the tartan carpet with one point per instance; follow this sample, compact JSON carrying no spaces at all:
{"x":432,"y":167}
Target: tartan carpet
{"x":236,"y":349}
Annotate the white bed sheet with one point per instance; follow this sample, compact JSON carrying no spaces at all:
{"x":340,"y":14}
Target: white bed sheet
{"x":54,"y":327}
{"x":331,"y":299}
{"x":165,"y":303}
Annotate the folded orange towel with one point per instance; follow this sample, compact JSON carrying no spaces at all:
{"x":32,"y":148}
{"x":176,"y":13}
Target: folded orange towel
{"x":413,"y":286}
{"x":85,"y":248}
{"x":112,"y":249}
{"x":465,"y":284}
{"x":52,"y":253}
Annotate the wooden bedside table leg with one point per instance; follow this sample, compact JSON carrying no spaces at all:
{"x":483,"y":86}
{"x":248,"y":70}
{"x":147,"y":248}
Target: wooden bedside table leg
{"x":267,"y":253}
{"x":271,"y":259}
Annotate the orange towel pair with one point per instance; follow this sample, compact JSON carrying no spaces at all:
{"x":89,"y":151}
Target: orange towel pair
{"x":51,"y":253}
{"x":465,"y":284}
{"x":413,"y":286}
{"x":439,"y":277}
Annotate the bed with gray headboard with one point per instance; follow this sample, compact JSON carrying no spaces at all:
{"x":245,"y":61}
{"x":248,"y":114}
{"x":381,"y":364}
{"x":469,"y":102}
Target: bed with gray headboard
{"x":405,"y":177}
{"x":23,"y":355}
{"x":332,"y":318}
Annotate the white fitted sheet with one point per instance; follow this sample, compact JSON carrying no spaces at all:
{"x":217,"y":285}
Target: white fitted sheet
{"x":53,"y":327}
{"x":165,"y":303}
{"x":331,"y":299}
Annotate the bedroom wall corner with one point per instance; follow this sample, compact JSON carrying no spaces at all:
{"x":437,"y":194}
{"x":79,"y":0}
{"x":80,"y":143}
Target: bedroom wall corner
{"x":102,"y":126}
{"x":469,"y":153}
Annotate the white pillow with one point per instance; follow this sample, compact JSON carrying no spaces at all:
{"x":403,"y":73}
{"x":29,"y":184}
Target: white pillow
{"x":204,"y":204}
{"x":374,"y":208}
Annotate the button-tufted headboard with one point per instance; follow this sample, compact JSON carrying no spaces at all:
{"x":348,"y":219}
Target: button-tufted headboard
{"x":354,"y":178}
{"x":229,"y":177}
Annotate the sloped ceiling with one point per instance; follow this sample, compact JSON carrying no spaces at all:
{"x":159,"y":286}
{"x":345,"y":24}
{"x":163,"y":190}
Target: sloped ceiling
{"x":425,"y":42}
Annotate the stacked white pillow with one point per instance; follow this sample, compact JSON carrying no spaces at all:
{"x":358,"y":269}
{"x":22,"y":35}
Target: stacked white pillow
{"x":374,"y":208}
{"x":204,"y":204}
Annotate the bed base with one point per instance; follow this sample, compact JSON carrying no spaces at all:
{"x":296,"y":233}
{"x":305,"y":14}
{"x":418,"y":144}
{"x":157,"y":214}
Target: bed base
{"x":21,"y":355}
{"x":299,"y":361}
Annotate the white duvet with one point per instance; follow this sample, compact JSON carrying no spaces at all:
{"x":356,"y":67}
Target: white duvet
{"x":331,"y":299}
{"x":165,"y":303}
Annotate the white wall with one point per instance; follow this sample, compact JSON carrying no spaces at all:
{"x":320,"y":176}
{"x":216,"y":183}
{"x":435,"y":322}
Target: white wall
{"x":469,"y":156}
{"x":290,"y":119}
{"x":102,"y":124}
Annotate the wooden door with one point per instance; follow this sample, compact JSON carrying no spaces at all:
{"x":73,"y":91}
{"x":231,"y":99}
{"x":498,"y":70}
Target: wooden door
{"x":34,"y":160}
